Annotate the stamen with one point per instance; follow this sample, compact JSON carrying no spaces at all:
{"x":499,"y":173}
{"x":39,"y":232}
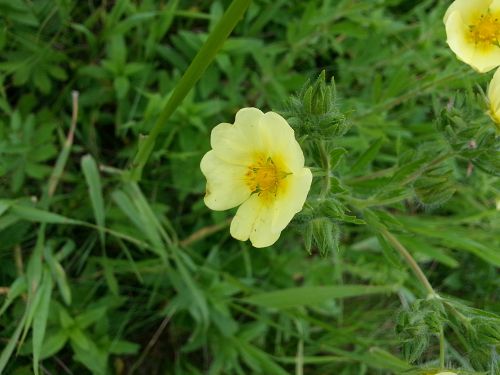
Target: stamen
{"x":485,"y":33}
{"x":264,"y":177}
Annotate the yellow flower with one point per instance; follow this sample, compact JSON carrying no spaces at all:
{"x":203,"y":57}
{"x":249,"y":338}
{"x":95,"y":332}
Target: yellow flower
{"x":258,"y":164}
{"x":446,"y":373}
{"x":473,"y":32}
{"x":494,"y":98}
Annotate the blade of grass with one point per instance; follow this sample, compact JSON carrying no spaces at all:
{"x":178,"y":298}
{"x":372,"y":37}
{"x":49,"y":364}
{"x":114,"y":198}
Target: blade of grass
{"x":294,"y":297}
{"x":201,"y":61}
{"x":40,"y":319}
{"x":91,"y":173}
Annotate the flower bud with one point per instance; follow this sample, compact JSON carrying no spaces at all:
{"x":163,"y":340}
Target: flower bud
{"x":314,"y":113}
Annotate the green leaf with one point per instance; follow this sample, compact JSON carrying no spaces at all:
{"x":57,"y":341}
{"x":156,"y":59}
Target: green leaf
{"x":259,"y":360}
{"x":93,"y":180}
{"x":367,"y":157}
{"x":110,"y":277}
{"x":40,"y":216}
{"x":53,"y":343}
{"x":58,"y":274}
{"x":117,"y":51}
{"x":4,"y":206}
{"x":314,"y":295}
{"x":87,"y":352}
{"x":422,"y":246}
{"x":40,"y":318}
{"x":122,"y":86}
{"x":388,"y":251}
{"x":11,"y":344}
{"x":17,"y":288}
{"x":124,"y":347}
{"x":336,"y":156}
{"x":382,"y":359}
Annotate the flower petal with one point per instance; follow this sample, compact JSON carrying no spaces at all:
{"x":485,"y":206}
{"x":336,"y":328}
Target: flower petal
{"x":486,"y":61}
{"x":263,"y":234}
{"x":293,"y":199}
{"x":468,"y":8}
{"x":236,"y":144}
{"x":494,"y":96}
{"x":282,"y":141}
{"x":494,"y":87}
{"x":253,"y":221}
{"x":225,"y":185}
{"x":495,"y":6}
{"x":456,"y":30}
{"x":457,"y":20}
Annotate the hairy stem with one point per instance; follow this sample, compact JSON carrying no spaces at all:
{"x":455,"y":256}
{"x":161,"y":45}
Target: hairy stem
{"x":325,"y":161}
{"x":441,"y":347}
{"x":423,"y":280}
{"x":409,"y":260}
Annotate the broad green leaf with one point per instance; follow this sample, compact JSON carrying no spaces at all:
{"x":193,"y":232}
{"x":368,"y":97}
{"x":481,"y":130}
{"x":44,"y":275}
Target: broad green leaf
{"x":314,"y":295}
{"x":121,"y":85}
{"x":53,"y":343}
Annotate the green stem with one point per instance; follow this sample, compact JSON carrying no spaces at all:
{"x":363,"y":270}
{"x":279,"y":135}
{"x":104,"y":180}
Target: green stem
{"x":409,"y":260}
{"x":441,"y":347}
{"x":325,"y":161}
{"x":193,"y":73}
{"x":428,"y":166}
{"x":423,"y":280}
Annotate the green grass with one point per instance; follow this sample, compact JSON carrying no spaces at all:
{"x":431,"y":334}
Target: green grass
{"x":107,"y":271}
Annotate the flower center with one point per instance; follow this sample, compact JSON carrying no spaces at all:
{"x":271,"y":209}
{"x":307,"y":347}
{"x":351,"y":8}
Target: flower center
{"x":264,"y":177}
{"x":486,"y":31}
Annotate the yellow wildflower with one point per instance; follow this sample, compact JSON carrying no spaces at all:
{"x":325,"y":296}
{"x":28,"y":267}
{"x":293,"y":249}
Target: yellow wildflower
{"x":473,"y":32}
{"x":258,"y":164}
{"x":494,"y":98}
{"x":446,"y":373}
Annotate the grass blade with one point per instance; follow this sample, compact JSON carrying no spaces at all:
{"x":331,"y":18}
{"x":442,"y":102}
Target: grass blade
{"x":199,"y":64}
{"x":313,"y":295}
{"x":94,"y":185}
{"x":40,"y":319}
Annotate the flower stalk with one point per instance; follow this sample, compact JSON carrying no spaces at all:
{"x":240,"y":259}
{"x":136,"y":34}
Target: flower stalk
{"x":410,"y":261}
